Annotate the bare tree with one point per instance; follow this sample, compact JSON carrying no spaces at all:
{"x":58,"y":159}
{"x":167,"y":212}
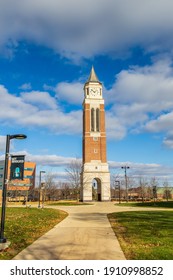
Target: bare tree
{"x":131,"y":187}
{"x":115,"y":184}
{"x":143,"y":184}
{"x":73,"y":173}
{"x":49,"y":187}
{"x":154,"y":184}
{"x":64,"y":190}
{"x":167,"y":192}
{"x":149,"y":192}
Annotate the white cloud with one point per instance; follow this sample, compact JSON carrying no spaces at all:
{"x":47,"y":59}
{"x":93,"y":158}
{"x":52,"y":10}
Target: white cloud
{"x":39,"y":98}
{"x":168,"y":141}
{"x":55,"y":120}
{"x":145,"y":170}
{"x":145,"y":85}
{"x":56,"y":164}
{"x":114,"y":128}
{"x":141,"y":99}
{"x":70,"y":92}
{"x":46,"y":160}
{"x":148,"y":170}
{"x":49,"y":160}
{"x":162,"y":123}
{"x":2,"y":143}
{"x":26,"y":86}
{"x":38,"y":109}
{"x":85,"y":28}
{"x":13,"y":108}
{"x":48,"y":88}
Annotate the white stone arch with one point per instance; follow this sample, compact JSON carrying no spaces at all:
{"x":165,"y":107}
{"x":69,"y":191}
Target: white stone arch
{"x":97,"y":188}
{"x":87,"y":181}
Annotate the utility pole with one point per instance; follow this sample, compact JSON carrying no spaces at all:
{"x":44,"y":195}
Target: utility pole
{"x":125,"y":175}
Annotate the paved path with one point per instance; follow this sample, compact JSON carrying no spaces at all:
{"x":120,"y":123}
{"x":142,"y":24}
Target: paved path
{"x":85,"y":234}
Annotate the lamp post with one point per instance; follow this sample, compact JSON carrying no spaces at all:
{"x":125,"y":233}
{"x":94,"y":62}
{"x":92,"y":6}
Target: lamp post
{"x":40,"y":187}
{"x":43,"y":194}
{"x":125,"y":174}
{"x":5,"y":182}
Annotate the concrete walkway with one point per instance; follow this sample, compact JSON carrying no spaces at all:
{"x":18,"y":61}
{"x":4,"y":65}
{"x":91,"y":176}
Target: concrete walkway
{"x":85,"y":234}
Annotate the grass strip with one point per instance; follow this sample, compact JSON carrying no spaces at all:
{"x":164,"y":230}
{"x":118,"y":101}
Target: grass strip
{"x":68,"y":203}
{"x":162,"y":204}
{"x":145,"y":235}
{"x":24,"y":225}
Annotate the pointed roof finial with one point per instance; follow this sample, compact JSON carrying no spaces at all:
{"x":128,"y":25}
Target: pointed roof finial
{"x":93,"y":76}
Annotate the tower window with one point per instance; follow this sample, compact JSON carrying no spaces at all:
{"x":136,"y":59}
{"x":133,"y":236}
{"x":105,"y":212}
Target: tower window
{"x":97,"y":119}
{"x":92,"y":119}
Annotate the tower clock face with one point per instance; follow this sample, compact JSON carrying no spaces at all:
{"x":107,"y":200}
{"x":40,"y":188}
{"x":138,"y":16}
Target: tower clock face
{"x":94,"y":92}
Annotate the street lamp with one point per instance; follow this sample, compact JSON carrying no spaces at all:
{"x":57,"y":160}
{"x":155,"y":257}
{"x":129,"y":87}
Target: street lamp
{"x":125,"y":174}
{"x":5,"y":182}
{"x":40,"y":187}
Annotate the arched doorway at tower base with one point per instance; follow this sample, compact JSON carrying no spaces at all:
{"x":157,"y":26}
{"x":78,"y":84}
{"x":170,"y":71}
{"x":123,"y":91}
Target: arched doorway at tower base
{"x":96,"y":189}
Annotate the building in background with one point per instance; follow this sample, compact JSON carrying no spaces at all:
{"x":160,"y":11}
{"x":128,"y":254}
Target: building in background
{"x":19,"y":189}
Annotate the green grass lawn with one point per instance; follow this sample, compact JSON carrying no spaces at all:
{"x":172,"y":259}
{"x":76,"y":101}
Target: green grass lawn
{"x":145,"y":235}
{"x":67,"y":203}
{"x":24,"y":225}
{"x":164,"y":204}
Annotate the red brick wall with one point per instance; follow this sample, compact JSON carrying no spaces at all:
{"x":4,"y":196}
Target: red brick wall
{"x":93,"y":150}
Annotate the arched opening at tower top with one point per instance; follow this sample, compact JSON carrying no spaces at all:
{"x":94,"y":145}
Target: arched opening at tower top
{"x":96,"y":189}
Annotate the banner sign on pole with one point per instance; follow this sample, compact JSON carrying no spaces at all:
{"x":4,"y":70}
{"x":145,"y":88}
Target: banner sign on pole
{"x":17,"y":167}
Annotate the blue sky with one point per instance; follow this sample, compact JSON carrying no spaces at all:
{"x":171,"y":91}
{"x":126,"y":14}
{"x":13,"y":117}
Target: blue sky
{"x":47,"y":49}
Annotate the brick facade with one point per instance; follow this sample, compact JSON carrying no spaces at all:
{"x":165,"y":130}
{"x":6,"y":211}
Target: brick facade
{"x":95,"y":165}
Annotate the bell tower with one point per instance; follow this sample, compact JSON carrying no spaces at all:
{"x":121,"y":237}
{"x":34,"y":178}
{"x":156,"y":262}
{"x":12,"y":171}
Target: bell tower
{"x":95,"y":174}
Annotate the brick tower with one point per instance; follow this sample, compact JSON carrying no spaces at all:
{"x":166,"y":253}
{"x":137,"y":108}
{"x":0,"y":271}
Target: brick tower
{"x":95,"y":174}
